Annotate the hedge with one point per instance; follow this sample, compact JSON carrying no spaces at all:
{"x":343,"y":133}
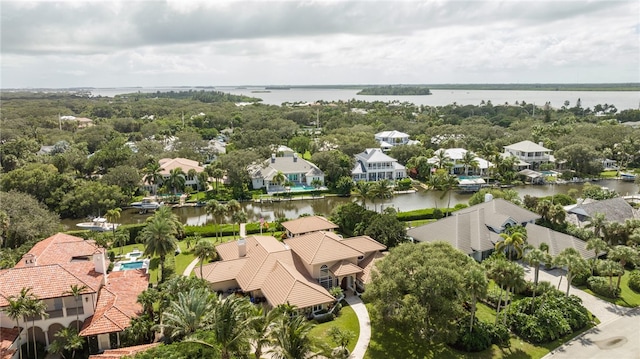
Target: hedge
{"x":600,"y":285}
{"x":418,"y":214}
{"x":211,"y":230}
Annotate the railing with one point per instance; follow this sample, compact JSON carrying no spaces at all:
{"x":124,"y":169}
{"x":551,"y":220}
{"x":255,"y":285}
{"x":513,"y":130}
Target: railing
{"x":55,"y":313}
{"x":72,"y":311}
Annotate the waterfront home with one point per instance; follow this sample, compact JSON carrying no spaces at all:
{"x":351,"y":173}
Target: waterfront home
{"x":308,"y":224}
{"x":456,"y":156}
{"x":298,"y":271}
{"x":390,"y":139}
{"x":186,"y":165}
{"x":614,"y":210}
{"x":476,"y":230}
{"x":299,"y":173}
{"x":103,"y":309}
{"x":530,"y":153}
{"x":375,"y":165}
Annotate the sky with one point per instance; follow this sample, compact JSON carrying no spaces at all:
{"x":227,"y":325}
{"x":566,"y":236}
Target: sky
{"x":49,"y":44}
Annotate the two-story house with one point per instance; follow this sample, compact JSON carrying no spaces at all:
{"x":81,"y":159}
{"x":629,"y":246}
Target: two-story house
{"x":298,"y":271}
{"x":103,"y":309}
{"x":530,"y":153}
{"x":456,"y":156}
{"x":374,"y":165}
{"x":299,"y":172}
{"x":389,"y":139}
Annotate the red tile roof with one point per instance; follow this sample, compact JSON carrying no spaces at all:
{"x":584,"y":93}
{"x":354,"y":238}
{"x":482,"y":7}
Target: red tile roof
{"x":7,"y":337}
{"x":121,"y":352}
{"x":61,"y":248}
{"x":117,"y":303}
{"x":308,"y":224}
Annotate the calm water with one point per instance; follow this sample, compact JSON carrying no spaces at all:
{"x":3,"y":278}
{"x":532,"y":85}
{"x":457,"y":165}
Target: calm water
{"x":402,"y":202}
{"x":622,"y":100}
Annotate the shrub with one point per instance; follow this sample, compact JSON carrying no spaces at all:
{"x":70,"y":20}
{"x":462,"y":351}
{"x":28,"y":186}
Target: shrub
{"x":601,"y":286}
{"x":500,"y":335}
{"x":634,"y":280}
{"x":580,"y":279}
{"x":475,"y":341}
{"x":403,"y":184}
{"x":543,"y":287}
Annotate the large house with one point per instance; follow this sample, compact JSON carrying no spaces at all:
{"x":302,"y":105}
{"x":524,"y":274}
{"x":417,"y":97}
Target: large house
{"x":455,"y":155}
{"x":531,"y":154}
{"x":476,"y":230}
{"x":304,"y":225}
{"x":374,"y":165}
{"x":104,"y":308}
{"x":298,"y":271}
{"x":390,"y":139}
{"x":297,"y":171}
{"x":186,"y":165}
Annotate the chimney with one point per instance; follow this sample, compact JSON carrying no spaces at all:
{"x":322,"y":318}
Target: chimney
{"x":242,"y":247}
{"x":541,"y":144}
{"x":295,"y":157}
{"x":488,"y":197}
{"x":29,"y":260}
{"x":100,"y":265}
{"x":273,"y":158}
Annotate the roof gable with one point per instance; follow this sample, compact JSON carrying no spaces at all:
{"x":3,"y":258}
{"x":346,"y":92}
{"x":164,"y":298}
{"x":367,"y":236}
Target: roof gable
{"x":308,"y":224}
{"x":285,"y":284}
{"x":321,"y":247}
{"x":527,"y":146}
{"x":363,"y":244}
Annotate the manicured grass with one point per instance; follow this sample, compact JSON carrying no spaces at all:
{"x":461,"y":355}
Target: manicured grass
{"x":628,"y":297}
{"x":347,"y":320}
{"x":389,"y":343}
{"x":609,"y":174}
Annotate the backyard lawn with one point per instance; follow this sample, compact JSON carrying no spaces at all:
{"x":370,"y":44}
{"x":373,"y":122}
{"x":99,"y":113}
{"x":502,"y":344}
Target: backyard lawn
{"x":347,"y":320}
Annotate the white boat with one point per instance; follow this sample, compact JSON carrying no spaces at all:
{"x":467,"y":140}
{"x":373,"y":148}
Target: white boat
{"x":98,"y":224}
{"x":146,"y":204}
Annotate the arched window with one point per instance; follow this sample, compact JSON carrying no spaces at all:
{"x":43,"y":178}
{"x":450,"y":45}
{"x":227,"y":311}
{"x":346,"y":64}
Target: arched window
{"x":325,"y":279}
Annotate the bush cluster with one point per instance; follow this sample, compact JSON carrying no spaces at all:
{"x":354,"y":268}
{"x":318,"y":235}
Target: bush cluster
{"x":482,"y":336}
{"x":634,"y":280}
{"x":581,"y":279}
{"x":601,"y":286}
{"x":427,"y":213}
{"x":543,"y":287}
{"x":548,"y":317}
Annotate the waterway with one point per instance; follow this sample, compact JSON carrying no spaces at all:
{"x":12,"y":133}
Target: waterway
{"x":621,"y":99}
{"x":324,"y":206}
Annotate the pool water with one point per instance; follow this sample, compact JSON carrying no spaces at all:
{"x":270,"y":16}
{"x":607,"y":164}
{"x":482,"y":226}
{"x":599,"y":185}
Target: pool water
{"x":131,"y":265}
{"x":301,"y":188}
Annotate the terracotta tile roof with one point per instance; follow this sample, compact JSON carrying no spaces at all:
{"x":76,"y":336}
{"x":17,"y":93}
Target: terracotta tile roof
{"x":321,"y":247}
{"x":368,"y":265}
{"x":121,"y":352}
{"x":7,"y":337}
{"x":169,"y":164}
{"x":308,"y":224}
{"x":48,"y":281}
{"x":285,"y":284}
{"x":61,"y":248}
{"x":221,"y":271}
{"x":229,"y":250}
{"x":364,"y":244}
{"x":256,"y":270}
{"x":343,"y":268}
{"x":116,"y":304}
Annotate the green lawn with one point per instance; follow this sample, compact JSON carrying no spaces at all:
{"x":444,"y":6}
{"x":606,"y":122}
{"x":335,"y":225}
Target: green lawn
{"x":628,"y":297}
{"x":388,"y":343}
{"x":609,"y":174}
{"x":347,"y":320}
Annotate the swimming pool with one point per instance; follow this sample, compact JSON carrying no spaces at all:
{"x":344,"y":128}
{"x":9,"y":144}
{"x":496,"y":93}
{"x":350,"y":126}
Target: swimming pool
{"x":134,"y":254}
{"x":301,"y":188}
{"x":131,"y":265}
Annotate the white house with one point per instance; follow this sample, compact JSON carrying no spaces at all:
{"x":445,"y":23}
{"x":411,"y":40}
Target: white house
{"x":531,"y":153}
{"x":389,"y":139}
{"x":297,"y":171}
{"x":375,"y":165}
{"x":455,"y":155}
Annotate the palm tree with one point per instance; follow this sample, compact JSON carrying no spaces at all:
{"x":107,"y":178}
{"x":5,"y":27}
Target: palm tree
{"x":262,"y":320}
{"x":535,"y":258}
{"x":112,"y":216}
{"x":76,"y":291}
{"x":512,"y":242}
{"x":382,"y":189}
{"x":35,"y":308}
{"x":15,"y":310}
{"x":238,"y":217}
{"x":442,"y":159}
{"x":610,"y":268}
{"x":166,"y":213}
{"x":291,"y":339}
{"x":598,"y":223}
{"x":447,"y":184}
{"x":232,"y":207}
{"x":189,"y":313}
{"x":217,"y":174}
{"x":67,"y":340}
{"x":497,"y":270}
{"x":229,"y":321}
{"x":544,"y":209}
{"x":160,"y":240}
{"x":152,"y":175}
{"x":204,"y":250}
{"x":363,"y":191}
{"x":476,"y":284}
{"x":203,"y":180}
{"x":624,"y":255}
{"x":279,"y":179}
{"x":514,"y":280}
{"x":147,"y":299}
{"x":597,"y":245}
{"x":215,"y":209}
{"x":469,"y":160}
{"x":574,"y":264}
{"x":176,"y":180}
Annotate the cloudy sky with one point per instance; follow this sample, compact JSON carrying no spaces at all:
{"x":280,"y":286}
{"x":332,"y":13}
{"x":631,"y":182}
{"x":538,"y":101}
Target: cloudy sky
{"x":215,"y":43}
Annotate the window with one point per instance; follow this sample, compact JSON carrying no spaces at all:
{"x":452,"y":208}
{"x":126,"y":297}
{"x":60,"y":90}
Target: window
{"x":325,"y":279}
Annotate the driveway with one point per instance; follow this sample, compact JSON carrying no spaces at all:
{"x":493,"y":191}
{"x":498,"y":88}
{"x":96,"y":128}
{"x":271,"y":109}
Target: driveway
{"x":365,"y":327}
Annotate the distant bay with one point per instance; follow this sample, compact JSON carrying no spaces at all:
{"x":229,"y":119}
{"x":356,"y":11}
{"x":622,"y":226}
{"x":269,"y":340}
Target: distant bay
{"x":440,"y":97}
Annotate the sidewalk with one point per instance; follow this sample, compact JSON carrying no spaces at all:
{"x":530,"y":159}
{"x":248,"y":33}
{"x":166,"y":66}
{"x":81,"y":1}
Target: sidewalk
{"x":189,"y":269}
{"x":365,"y":326}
